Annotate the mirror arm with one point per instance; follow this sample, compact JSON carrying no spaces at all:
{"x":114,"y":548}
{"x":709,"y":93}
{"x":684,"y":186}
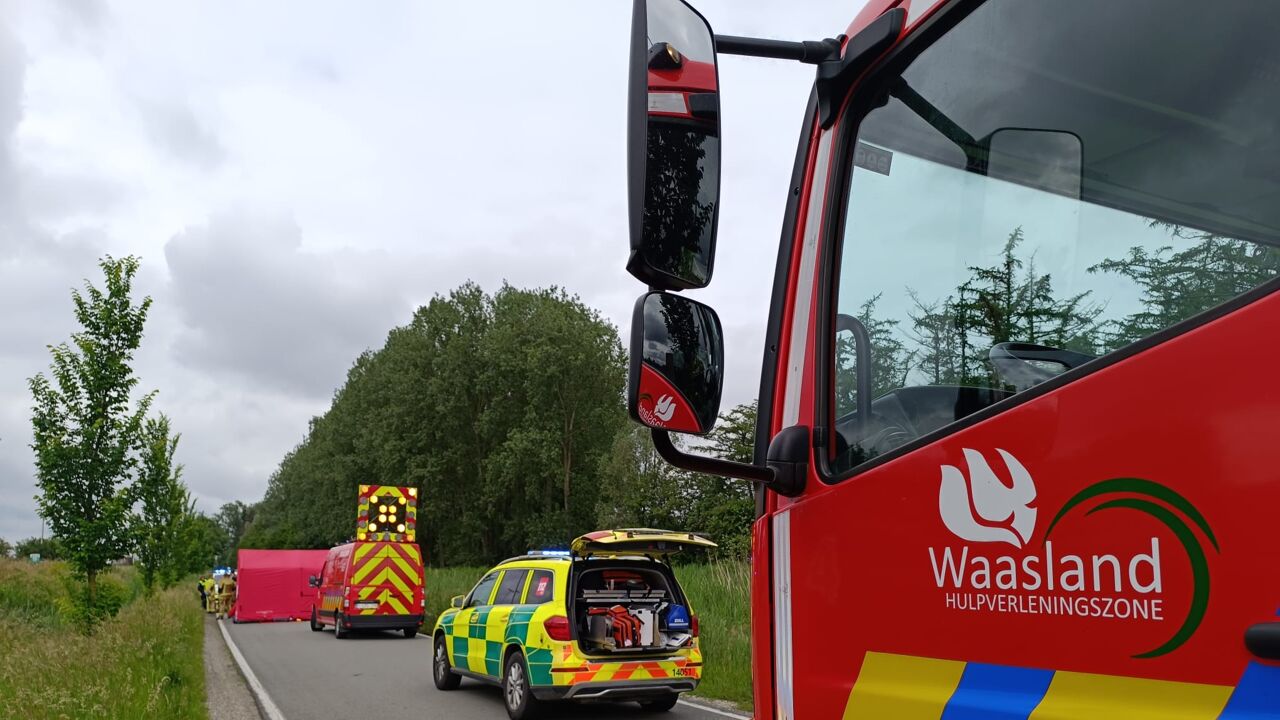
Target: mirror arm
{"x":837,"y":75}
{"x":712,"y":466}
{"x":806,"y":51}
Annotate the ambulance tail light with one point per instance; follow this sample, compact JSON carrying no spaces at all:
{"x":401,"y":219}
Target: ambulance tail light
{"x":557,"y":628}
{"x":693,"y":626}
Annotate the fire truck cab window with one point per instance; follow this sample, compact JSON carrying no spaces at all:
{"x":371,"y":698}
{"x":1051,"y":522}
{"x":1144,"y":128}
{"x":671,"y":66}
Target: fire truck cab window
{"x":480,"y":595}
{"x":1025,"y":202}
{"x":541,"y":587}
{"x":511,"y":587}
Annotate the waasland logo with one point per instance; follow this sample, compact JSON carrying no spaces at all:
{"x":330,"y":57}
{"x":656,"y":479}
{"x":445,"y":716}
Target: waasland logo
{"x":983,"y":509}
{"x":665,"y":408}
{"x":980,"y":507}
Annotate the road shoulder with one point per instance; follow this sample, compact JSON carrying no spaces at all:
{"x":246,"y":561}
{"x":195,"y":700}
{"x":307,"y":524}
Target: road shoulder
{"x":227,"y":695}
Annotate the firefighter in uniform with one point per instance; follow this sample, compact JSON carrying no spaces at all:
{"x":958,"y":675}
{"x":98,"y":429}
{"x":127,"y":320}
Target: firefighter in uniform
{"x":207,"y":583}
{"x":226,"y":595}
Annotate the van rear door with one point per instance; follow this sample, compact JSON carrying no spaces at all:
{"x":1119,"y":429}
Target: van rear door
{"x":386,"y":579}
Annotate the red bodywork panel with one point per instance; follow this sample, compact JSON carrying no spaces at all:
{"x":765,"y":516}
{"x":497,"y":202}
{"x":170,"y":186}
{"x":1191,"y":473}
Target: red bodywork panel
{"x":1213,"y":442}
{"x":1182,"y":415}
{"x":761,"y":617}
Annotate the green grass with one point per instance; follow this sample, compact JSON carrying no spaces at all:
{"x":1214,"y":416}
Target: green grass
{"x":443,"y":584}
{"x":146,"y":662}
{"x":719,"y":593}
{"x":34,"y":595}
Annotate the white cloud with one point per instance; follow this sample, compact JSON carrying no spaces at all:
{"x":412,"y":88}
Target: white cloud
{"x":297,"y":176}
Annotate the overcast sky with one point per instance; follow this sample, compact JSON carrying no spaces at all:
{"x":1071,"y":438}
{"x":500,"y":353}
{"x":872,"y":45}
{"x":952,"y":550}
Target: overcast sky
{"x":298,"y":176}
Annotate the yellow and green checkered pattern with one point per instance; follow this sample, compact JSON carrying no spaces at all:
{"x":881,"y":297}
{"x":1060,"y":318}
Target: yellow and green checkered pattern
{"x":478,"y":637}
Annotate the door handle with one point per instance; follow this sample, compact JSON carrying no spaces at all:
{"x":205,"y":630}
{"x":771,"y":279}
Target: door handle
{"x":1263,"y":640}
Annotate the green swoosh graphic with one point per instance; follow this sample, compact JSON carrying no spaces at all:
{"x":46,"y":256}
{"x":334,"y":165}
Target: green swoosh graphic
{"x":1199,"y":568}
{"x":1141,"y":487}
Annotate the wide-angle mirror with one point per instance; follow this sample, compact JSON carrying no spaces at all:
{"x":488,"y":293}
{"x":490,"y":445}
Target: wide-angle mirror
{"x":677,"y":364}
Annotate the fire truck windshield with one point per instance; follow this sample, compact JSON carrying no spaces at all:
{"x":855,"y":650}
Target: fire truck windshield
{"x":1144,"y":190}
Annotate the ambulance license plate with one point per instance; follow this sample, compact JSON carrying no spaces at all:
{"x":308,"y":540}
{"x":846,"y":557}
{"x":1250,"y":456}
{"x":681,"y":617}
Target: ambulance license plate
{"x":367,"y":605}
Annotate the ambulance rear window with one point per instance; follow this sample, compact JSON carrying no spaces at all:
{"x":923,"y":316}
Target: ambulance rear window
{"x":541,"y":587}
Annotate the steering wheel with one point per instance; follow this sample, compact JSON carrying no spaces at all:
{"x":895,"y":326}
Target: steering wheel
{"x":1023,"y":365}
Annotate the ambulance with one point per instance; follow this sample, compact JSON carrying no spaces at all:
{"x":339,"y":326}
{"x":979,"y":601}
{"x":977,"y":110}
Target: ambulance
{"x":1018,"y":444}
{"x":376,"y":582}
{"x":605,"y":621}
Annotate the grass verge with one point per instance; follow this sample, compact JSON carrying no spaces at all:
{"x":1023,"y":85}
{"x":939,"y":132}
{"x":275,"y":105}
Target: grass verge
{"x":443,"y":584}
{"x":720,"y":595}
{"x":146,"y":662}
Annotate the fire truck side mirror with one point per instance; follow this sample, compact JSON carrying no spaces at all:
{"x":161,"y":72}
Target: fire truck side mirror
{"x":673,"y":146}
{"x":677,"y":364}
{"x":313,"y":581}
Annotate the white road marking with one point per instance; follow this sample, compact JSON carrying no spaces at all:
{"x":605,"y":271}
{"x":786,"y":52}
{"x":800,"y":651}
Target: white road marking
{"x":717,"y":711}
{"x":264,"y":700}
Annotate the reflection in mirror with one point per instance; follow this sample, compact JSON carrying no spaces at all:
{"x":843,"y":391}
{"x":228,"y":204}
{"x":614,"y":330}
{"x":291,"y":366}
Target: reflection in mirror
{"x":677,"y":364}
{"x":675,"y":147}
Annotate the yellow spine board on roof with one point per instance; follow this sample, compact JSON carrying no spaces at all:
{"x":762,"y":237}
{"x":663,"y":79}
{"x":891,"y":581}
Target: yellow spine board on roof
{"x":387,"y":514}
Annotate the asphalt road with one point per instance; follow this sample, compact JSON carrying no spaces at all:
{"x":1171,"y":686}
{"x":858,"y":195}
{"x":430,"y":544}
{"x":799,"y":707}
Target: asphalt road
{"x":382,"y":675}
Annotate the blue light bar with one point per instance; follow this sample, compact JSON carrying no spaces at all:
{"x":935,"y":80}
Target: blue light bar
{"x":550,"y":553}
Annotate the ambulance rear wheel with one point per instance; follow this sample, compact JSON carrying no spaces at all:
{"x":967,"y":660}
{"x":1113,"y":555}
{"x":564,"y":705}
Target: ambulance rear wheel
{"x":516,"y":693}
{"x":445,"y":678}
{"x":338,"y":632}
{"x":315,"y":625}
{"x":662,"y":704}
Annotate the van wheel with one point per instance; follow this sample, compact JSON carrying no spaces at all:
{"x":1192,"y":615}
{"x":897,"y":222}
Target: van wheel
{"x":516,"y":693}
{"x":315,"y":625}
{"x":661,"y":704}
{"x":338,"y":632}
{"x":410,"y":632}
{"x":441,"y":671}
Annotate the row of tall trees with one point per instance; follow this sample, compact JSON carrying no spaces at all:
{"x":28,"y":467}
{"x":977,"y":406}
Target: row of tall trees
{"x":500,"y":408}
{"x":109,"y":485}
{"x":505,"y":410}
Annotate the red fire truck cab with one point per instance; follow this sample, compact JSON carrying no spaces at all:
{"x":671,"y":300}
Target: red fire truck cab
{"x":1018,"y":443}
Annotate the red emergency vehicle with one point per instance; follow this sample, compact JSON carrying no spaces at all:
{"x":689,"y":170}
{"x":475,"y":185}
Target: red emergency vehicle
{"x":1018,"y":441}
{"x":376,"y":582}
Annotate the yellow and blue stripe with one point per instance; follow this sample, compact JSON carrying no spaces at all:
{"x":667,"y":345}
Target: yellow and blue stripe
{"x":917,"y":688}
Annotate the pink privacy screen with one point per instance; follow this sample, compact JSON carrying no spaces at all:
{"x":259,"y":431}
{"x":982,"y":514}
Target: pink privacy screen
{"x":272,"y":584}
